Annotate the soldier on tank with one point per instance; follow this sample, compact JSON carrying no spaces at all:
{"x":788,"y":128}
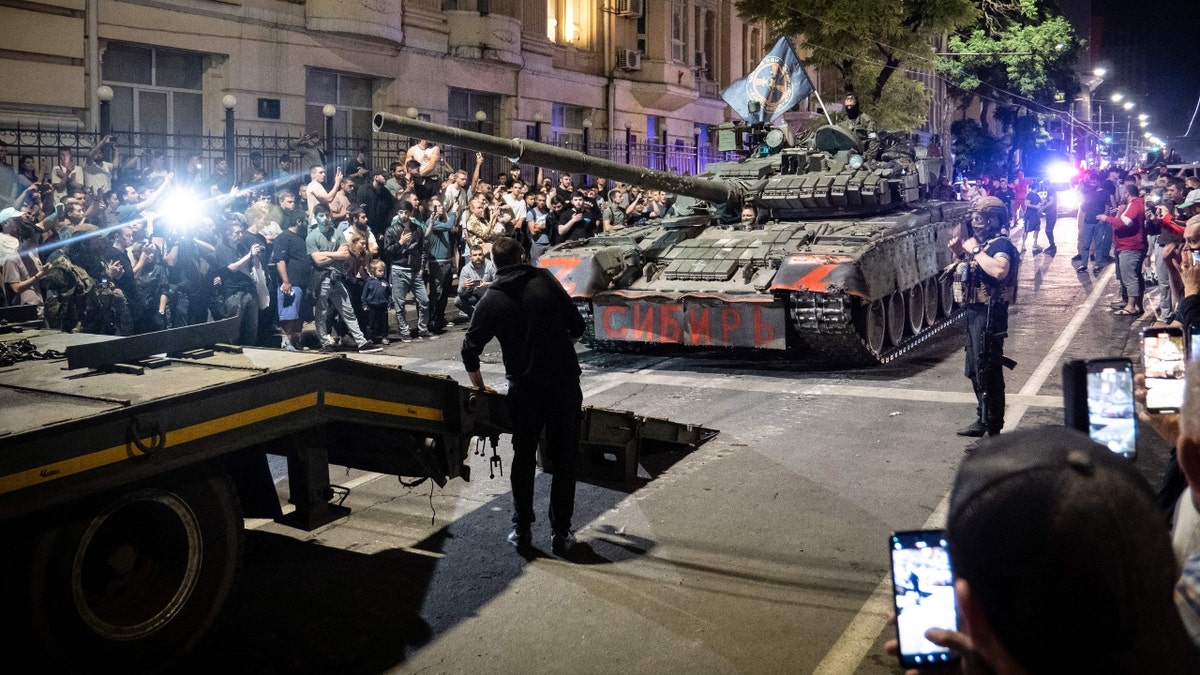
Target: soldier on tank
{"x":985,"y":282}
{"x":859,"y":123}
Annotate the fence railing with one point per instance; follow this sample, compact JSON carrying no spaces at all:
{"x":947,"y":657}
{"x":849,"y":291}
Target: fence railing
{"x":43,"y":143}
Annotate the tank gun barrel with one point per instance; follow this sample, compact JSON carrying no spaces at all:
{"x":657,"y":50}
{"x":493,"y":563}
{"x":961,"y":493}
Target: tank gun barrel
{"x":560,"y":159}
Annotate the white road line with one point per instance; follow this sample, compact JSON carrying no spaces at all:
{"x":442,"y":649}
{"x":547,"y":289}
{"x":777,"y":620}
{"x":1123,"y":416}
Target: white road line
{"x":860,"y":635}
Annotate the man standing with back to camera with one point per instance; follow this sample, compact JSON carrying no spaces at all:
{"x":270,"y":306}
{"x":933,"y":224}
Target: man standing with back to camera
{"x":537,"y":325}
{"x":985,"y":281}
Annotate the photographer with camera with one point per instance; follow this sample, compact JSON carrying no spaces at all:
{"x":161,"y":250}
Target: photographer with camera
{"x":985,"y":281}
{"x":236,"y":257}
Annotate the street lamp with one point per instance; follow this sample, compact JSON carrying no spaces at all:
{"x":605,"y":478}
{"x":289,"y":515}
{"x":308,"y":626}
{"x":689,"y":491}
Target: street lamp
{"x":480,"y":118}
{"x":329,"y":110}
{"x":105,"y":94}
{"x":229,"y":102}
{"x":587,"y":129}
{"x":537,"y":126}
{"x":1117,"y":97}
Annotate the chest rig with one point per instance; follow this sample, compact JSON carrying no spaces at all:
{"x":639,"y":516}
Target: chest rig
{"x":974,"y":286}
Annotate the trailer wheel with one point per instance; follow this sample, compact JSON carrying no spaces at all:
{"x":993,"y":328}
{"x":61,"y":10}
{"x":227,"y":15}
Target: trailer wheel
{"x":138,"y":579}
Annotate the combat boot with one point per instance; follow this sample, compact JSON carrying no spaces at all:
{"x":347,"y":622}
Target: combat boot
{"x":976,"y":430}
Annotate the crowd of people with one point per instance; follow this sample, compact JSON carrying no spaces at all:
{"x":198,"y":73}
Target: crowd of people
{"x":123,"y":245}
{"x":1135,"y":219}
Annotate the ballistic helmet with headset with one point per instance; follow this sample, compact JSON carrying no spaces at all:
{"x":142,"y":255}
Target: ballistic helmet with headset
{"x":989,"y":208}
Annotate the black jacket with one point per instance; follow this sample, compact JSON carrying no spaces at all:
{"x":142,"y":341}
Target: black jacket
{"x":537,"y":325}
{"x":409,"y":256}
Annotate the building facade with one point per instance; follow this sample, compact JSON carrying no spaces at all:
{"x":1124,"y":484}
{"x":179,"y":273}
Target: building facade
{"x":554,"y":69}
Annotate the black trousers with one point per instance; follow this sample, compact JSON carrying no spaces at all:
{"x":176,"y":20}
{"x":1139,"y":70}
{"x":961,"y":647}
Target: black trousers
{"x":985,"y":352}
{"x":535,"y":408}
{"x":441,"y":275}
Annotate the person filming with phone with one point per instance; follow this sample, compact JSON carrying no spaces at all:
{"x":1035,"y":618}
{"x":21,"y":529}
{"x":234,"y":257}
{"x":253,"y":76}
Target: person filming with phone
{"x":985,"y":281}
{"x":1062,"y":563}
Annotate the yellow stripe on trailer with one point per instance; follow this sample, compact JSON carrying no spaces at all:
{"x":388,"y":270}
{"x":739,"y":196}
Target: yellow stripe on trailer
{"x":375,"y":405}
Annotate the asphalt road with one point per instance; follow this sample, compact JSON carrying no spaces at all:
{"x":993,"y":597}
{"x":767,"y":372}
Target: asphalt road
{"x":762,"y":551}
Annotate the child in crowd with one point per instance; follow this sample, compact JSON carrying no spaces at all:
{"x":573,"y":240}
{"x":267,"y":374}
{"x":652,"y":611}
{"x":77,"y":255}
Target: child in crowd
{"x":375,"y":297}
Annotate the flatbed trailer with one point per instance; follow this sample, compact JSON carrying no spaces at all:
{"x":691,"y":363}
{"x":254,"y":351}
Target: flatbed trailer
{"x":127,"y":466}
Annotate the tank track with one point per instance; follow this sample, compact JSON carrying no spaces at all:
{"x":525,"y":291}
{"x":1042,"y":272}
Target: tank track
{"x":847,"y":347}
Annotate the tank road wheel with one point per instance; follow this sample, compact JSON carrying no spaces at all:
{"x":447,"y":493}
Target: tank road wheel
{"x":914,"y":304}
{"x":871,"y":323}
{"x":931,"y":300}
{"x":137,"y":579}
{"x":946,"y":296}
{"x":895,"y":317}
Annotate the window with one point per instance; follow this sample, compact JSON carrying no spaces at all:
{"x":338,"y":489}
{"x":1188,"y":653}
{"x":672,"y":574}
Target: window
{"x":566,"y":125}
{"x":754,"y":47}
{"x":350,"y":94}
{"x":463,"y":105}
{"x":679,"y":31}
{"x":570,"y":22}
{"x":157,"y":91}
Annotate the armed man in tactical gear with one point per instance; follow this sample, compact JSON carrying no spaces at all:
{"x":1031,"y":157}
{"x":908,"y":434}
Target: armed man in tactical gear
{"x":985,"y":282}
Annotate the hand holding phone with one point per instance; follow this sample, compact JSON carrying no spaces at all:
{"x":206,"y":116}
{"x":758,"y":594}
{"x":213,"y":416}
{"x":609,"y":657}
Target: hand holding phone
{"x":923,"y":595}
{"x":1163,"y":364}
{"x":1098,"y":398}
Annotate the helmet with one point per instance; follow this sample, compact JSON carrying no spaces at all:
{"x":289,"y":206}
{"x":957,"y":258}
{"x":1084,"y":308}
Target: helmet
{"x":994,"y":216}
{"x":989,"y":205}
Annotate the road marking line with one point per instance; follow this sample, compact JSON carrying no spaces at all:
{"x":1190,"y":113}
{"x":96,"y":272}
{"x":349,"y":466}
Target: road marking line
{"x":852,"y":647}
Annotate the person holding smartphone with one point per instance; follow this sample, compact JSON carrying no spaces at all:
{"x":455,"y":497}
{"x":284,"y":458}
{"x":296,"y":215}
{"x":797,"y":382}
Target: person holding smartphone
{"x":986,"y":282}
{"x":1062,"y":563}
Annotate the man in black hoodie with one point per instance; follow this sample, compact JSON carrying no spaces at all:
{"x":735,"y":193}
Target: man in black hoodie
{"x":537,"y":325}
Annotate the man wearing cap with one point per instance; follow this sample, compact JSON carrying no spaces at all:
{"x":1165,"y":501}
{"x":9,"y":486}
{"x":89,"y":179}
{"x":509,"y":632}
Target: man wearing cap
{"x":1062,"y":562}
{"x":985,"y":281}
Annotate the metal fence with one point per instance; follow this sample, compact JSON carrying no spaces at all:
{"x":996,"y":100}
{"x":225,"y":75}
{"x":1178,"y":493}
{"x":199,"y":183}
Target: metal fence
{"x":43,"y":143}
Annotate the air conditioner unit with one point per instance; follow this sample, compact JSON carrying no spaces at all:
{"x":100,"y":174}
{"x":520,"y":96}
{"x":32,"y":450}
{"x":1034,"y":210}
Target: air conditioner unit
{"x":629,"y":59}
{"x":701,"y":61}
{"x":631,"y":8}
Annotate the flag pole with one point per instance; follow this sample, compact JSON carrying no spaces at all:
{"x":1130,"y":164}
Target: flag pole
{"x":823,"y":108}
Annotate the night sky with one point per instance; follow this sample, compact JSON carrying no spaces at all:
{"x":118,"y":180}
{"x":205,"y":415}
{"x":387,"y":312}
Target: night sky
{"x":1166,"y":35}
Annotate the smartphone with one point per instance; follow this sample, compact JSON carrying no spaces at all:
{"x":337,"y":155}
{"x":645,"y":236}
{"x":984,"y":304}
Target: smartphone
{"x":1162,"y":361}
{"x":1111,"y":419}
{"x":1193,"y":342}
{"x":923,"y":594}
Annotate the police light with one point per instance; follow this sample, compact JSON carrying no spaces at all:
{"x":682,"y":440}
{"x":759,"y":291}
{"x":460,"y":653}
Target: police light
{"x":1108,"y":139}
{"x":1061,"y":172}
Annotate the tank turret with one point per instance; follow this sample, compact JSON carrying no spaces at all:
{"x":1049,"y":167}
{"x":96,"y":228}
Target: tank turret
{"x":840,"y":257}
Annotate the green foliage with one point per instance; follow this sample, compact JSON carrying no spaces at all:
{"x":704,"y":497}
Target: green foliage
{"x":977,"y":152}
{"x":868,"y":42}
{"x":903,"y":105}
{"x":1032,"y":56}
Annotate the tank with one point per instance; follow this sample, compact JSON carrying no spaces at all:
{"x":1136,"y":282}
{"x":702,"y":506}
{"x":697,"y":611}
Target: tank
{"x":843,"y":260}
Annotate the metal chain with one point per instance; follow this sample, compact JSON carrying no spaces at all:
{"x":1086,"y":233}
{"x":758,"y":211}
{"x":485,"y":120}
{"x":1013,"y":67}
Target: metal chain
{"x":23,"y":350}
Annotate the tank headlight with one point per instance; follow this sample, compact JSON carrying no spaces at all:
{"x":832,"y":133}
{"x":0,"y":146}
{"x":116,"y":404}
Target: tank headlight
{"x":856,"y":161}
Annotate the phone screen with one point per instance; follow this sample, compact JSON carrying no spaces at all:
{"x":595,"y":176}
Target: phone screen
{"x":1111,"y":418}
{"x":923,"y":591}
{"x":1162,"y":358}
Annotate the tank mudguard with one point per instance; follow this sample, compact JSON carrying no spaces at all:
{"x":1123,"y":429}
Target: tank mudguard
{"x":580,"y":275}
{"x":820,"y":274}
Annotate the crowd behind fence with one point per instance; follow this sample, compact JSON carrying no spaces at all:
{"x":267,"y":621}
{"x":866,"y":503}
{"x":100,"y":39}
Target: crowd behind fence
{"x":43,"y":142}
